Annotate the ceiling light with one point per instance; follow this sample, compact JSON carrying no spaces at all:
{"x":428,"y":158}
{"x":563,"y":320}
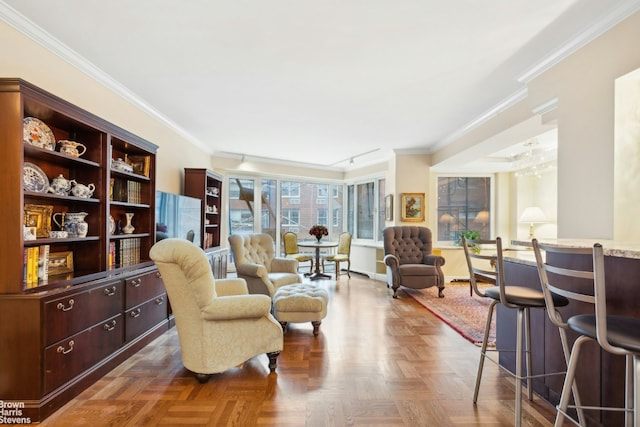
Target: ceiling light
{"x":534,"y":161}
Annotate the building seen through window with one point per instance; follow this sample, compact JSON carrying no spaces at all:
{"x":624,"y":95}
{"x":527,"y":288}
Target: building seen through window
{"x":463,"y":205}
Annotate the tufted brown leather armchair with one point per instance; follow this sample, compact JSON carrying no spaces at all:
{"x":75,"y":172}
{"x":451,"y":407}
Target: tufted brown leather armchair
{"x":409,"y":260}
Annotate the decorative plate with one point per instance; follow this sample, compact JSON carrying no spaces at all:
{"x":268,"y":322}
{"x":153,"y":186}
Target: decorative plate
{"x":36,"y":132}
{"x":112,"y":225}
{"x":34,"y":179}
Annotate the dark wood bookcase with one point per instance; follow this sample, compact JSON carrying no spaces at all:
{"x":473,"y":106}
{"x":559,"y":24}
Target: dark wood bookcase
{"x":206,"y":185}
{"x":62,"y":334}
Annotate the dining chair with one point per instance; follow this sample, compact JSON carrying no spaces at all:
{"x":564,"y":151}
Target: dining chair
{"x":342,"y":254}
{"x":488,"y":265}
{"x":290,"y":243}
{"x":618,"y":335}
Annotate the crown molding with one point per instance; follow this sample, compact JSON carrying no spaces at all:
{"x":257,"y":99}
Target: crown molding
{"x":607,"y":22}
{"x":503,"y":105}
{"x":27,"y":27}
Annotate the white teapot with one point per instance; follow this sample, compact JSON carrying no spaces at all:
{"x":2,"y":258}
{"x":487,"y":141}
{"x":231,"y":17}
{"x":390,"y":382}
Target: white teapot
{"x":84,"y":191}
{"x":61,"y":185}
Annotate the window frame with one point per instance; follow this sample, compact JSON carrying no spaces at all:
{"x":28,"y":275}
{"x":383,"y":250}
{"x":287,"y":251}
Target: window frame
{"x":489,"y":202}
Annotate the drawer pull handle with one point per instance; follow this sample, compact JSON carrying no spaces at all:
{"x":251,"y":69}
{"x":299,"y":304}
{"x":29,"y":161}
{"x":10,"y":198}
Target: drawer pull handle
{"x":135,"y":313}
{"x":62,"y":307}
{"x":110,"y":291}
{"x":61,"y":349}
{"x":110,"y":326}
{"x":136,"y":282}
{"x":160,"y":300}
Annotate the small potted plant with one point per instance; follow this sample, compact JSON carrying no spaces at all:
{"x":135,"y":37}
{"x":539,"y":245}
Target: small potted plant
{"x":470,"y":236}
{"x":318,"y":231}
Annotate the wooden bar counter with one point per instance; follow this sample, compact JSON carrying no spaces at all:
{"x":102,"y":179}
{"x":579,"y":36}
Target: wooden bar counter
{"x":600,"y":377}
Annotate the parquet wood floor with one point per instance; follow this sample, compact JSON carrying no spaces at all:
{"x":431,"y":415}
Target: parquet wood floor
{"x":378,"y":361}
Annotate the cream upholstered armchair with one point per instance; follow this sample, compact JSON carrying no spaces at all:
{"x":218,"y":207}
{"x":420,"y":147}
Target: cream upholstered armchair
{"x":219,"y":324}
{"x":255,"y":261}
{"x":409,"y":260}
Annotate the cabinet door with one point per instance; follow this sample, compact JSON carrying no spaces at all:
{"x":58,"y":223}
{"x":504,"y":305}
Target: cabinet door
{"x":142,"y":288}
{"x":70,"y":357}
{"x":145,"y":316}
{"x":72,"y":313}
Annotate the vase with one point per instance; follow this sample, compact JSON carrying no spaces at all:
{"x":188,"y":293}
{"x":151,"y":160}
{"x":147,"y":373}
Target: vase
{"x":128,"y":227}
{"x":73,"y":223}
{"x":318,"y":238}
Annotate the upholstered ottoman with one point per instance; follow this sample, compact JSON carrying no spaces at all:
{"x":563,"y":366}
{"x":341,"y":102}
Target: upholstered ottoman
{"x":299,"y":303}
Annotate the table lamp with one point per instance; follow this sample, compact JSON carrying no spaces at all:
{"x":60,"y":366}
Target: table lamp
{"x":533,"y":215}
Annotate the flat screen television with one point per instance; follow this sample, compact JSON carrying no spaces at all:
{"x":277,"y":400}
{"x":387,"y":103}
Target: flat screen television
{"x":178,"y":216}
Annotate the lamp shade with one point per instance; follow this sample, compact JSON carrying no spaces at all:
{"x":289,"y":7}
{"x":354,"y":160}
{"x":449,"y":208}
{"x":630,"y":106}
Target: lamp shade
{"x":482,"y":216}
{"x":533,"y":215}
{"x":447,"y":218}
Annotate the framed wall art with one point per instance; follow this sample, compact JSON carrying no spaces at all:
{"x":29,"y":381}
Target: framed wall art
{"x":38,"y":216}
{"x":388,"y":207}
{"x":60,"y":262}
{"x":412,"y":207}
{"x":140,"y":164}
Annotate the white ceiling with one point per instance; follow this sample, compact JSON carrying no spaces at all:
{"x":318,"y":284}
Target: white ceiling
{"x":316,"y":82}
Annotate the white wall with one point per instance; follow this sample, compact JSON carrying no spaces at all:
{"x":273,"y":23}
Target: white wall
{"x":23,"y":58}
{"x":627,"y":156}
{"x":583,"y":85}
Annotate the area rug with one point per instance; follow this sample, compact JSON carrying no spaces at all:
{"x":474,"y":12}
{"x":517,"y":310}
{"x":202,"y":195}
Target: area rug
{"x":465,"y":314}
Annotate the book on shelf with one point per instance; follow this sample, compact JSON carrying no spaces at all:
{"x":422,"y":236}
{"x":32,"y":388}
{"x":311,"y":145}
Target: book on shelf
{"x":43,"y":264}
{"x":123,"y":190}
{"x":127,"y":252}
{"x":112,"y":255}
{"x":36,"y":266}
{"x":133,"y":192}
{"x":208,"y":240}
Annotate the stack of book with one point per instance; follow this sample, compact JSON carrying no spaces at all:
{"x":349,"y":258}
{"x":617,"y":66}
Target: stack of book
{"x":123,"y":190}
{"x":126,"y":252}
{"x":36,"y":266}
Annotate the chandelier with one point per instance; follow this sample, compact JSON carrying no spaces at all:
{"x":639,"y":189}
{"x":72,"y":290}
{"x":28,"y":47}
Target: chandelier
{"x":534,"y":161}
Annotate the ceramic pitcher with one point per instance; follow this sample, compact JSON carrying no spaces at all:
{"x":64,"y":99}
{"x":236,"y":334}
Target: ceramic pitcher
{"x":73,"y":223}
{"x":72,"y":148}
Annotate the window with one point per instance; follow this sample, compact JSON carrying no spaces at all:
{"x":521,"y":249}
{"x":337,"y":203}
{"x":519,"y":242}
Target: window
{"x":323,"y":190}
{"x":381,"y":224}
{"x":268,"y":205}
{"x":256,"y":207}
{"x":322,"y":217}
{"x":241,"y":205}
{"x":290,"y":217}
{"x":290,"y":189}
{"x":463,"y":205}
{"x":363,"y":200}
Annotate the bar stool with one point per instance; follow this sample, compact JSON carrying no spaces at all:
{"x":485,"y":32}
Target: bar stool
{"x":615,"y":334}
{"x":489,"y":267}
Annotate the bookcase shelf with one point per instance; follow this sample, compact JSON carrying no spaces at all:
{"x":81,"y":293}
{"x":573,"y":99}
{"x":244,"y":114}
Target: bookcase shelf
{"x":206,"y":185}
{"x":81,"y":269}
